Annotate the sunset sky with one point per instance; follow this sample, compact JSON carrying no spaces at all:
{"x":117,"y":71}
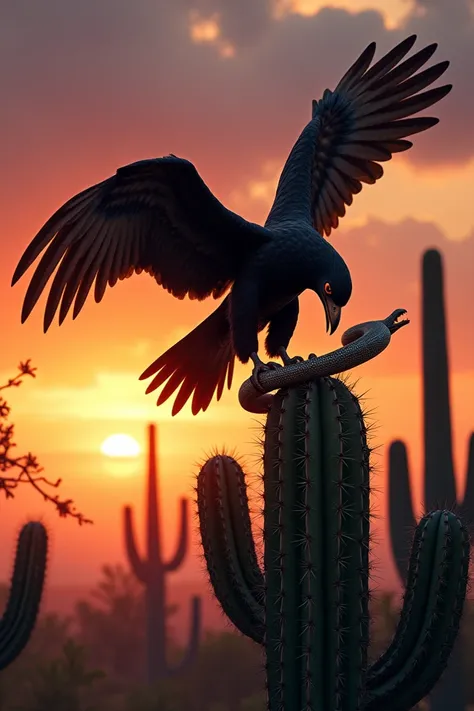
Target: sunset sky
{"x":89,"y":86}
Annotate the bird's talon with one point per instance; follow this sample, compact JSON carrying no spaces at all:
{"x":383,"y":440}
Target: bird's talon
{"x":312,"y":356}
{"x":262,"y":368}
{"x":287,"y":360}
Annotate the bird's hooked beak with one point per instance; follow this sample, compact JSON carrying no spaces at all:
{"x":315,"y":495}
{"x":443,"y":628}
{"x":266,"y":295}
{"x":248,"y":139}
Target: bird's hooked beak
{"x":333,"y":313}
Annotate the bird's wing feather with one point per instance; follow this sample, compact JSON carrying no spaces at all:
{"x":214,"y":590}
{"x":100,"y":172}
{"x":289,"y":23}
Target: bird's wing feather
{"x":156,"y":216}
{"x":198,"y":365}
{"x":364,"y":121}
{"x":354,"y":128}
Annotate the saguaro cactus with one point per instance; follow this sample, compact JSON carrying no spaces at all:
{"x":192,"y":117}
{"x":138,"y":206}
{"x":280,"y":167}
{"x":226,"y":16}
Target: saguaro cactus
{"x":309,"y":605}
{"x":152,"y":572}
{"x":439,"y":479}
{"x":26,"y":589}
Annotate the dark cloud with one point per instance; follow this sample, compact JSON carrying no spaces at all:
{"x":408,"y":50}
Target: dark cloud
{"x":451,"y":23}
{"x":108,"y":72}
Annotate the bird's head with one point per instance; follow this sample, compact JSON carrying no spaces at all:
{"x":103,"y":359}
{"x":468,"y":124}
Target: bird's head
{"x":334,"y":288}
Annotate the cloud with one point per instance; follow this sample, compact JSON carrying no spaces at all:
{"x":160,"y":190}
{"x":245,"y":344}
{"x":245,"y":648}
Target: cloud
{"x":243,"y":23}
{"x":405,"y":191}
{"x":451,"y":23}
{"x":385,"y":262}
{"x":112,"y":396}
{"x":103,"y":73}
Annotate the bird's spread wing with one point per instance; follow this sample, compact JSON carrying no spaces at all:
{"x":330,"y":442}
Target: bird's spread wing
{"x":365,"y":120}
{"x":362,"y":123}
{"x":198,"y":365}
{"x":156,"y":216}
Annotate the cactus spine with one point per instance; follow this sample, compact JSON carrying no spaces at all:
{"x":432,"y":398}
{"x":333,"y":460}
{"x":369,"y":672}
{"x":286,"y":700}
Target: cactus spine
{"x":439,"y":479}
{"x":26,"y":589}
{"x":152,"y":573}
{"x":309,"y":605}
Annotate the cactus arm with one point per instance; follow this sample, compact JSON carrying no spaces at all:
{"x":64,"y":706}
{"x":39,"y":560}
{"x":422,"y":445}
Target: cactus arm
{"x":467,"y":507}
{"x":401,"y":516}
{"x":193,"y":645}
{"x":429,"y":622}
{"x":180,"y":553}
{"x":25,"y":594}
{"x":228,"y":544}
{"x":138,"y":566}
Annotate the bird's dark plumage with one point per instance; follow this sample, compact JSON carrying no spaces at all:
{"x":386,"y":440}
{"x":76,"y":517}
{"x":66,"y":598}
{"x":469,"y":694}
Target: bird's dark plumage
{"x":156,"y":216}
{"x":199,"y":364}
{"x":159,"y":216}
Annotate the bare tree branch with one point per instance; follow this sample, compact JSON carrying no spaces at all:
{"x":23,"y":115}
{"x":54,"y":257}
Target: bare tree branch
{"x":26,"y":469}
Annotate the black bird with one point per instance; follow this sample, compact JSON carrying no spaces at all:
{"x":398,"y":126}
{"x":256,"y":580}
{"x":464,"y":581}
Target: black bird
{"x":159,"y":216}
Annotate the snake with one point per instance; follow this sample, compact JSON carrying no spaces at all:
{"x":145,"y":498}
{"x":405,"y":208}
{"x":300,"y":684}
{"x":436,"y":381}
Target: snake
{"x":360,"y":343}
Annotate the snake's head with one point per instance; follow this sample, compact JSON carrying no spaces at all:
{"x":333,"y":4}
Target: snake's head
{"x":393,"y":323}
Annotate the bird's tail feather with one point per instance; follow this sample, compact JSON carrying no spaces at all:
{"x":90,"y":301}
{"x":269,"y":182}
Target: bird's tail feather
{"x":199,"y":363}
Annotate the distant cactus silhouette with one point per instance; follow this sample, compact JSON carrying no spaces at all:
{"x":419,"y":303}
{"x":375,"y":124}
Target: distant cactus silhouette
{"x":439,"y":479}
{"x":152,"y":572}
{"x":26,"y":589}
{"x":308,"y":607}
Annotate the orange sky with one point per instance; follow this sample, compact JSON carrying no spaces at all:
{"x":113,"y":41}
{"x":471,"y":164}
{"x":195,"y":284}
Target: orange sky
{"x":200,"y":82}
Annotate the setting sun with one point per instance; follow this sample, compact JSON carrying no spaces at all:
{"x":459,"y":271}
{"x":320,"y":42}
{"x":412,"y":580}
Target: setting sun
{"x":120,"y":445}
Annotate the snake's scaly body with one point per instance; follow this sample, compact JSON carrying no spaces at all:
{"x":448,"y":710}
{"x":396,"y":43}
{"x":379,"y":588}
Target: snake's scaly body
{"x":360,"y":343}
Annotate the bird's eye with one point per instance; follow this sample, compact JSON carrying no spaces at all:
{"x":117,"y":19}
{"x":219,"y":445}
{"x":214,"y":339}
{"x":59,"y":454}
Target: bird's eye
{"x":327,"y":288}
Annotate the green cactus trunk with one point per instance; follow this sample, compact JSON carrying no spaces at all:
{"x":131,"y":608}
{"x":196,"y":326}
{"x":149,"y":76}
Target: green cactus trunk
{"x":316,"y":536}
{"x":26,"y":589}
{"x":309,"y":605}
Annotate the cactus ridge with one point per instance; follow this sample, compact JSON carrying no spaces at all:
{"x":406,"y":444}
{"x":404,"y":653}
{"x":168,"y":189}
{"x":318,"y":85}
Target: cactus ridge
{"x":26,"y":589}
{"x":327,"y":548}
{"x":229,"y":546}
{"x":309,"y":608}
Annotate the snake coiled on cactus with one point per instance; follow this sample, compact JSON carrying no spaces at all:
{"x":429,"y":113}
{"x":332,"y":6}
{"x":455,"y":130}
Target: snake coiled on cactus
{"x":308,"y":607}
